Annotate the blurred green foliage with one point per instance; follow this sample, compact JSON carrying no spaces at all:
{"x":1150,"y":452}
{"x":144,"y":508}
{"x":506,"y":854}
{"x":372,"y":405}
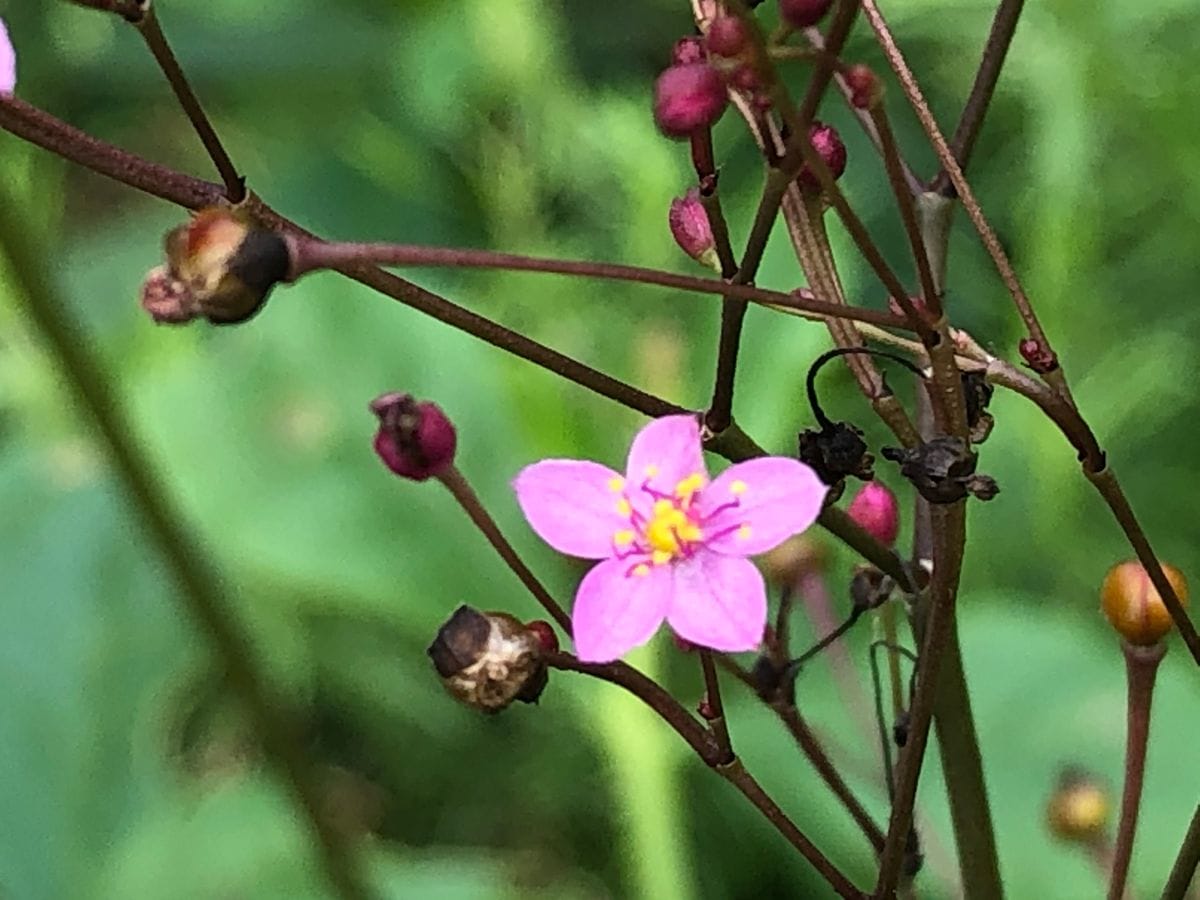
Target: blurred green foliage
{"x":524,"y":125}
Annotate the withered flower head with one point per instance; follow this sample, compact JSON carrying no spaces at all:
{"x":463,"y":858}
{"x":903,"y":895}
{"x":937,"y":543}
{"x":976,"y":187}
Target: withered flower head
{"x":943,"y":470}
{"x":488,"y":660}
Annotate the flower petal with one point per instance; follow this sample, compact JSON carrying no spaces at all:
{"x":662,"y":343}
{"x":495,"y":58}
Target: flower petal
{"x":572,"y":505}
{"x":719,"y":602}
{"x":8,"y":62}
{"x":664,"y":453}
{"x":616,"y":610}
{"x":756,"y":505}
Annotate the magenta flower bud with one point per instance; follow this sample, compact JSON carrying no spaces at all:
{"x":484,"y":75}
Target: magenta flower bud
{"x":828,"y":144}
{"x":875,"y":510}
{"x":803,"y":13}
{"x":8,"y":62}
{"x":1037,"y":356}
{"x":727,"y":36}
{"x":688,"y":98}
{"x":688,"y":50}
{"x":691,"y":229}
{"x":415,"y":439}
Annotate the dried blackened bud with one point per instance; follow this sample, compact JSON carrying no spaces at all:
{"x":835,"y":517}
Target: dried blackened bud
{"x":1079,"y":808}
{"x":943,"y":470}
{"x":900,"y":728}
{"x":415,"y":439}
{"x":688,"y":98}
{"x":488,"y":660}
{"x":803,"y":13}
{"x":220,"y":266}
{"x":870,"y":588}
{"x":688,"y":50}
{"x":1037,"y":356}
{"x":828,"y":144}
{"x":835,"y":452}
{"x":865,"y":88}
{"x":913,"y":857}
{"x":691,"y":229}
{"x":977,"y":392}
{"x":767,"y":677}
{"x":875,"y":510}
{"x":728,"y":36}
{"x":1133,"y":605}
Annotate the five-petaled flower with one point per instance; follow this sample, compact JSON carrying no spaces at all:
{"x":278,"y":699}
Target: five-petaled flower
{"x":672,"y":543}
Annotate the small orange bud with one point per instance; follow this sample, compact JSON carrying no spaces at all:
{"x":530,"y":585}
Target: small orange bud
{"x":1079,"y":808}
{"x":1132,"y":604}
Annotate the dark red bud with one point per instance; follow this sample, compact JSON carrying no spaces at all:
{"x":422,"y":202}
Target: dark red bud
{"x":1037,"y":357}
{"x":544,"y":632}
{"x":803,"y":13}
{"x":745,"y":78}
{"x":688,"y":50}
{"x":415,"y":439}
{"x":705,"y":709}
{"x":688,"y":98}
{"x":727,"y":36}
{"x":865,"y":89}
{"x":828,"y":144}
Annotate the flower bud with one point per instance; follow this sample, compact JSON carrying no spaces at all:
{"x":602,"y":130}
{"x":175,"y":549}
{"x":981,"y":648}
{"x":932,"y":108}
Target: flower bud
{"x":745,"y":78}
{"x":415,"y":439}
{"x":688,"y":50}
{"x":222,"y":265}
{"x":488,"y":660}
{"x":8,"y":62}
{"x":828,"y":144}
{"x":875,"y":510}
{"x":1134,"y":607}
{"x":688,"y":98}
{"x":803,"y":13}
{"x":727,"y":36}
{"x":691,"y":229}
{"x":799,"y":555}
{"x":865,"y":88}
{"x":1078,"y":810}
{"x":545,"y":634}
{"x":1037,"y":356}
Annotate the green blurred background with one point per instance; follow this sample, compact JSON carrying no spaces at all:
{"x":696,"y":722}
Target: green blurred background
{"x":524,"y":125}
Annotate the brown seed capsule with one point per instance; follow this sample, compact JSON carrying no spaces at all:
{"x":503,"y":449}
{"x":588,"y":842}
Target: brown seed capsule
{"x":1079,"y":808}
{"x":488,"y":660}
{"x":1133,"y":606}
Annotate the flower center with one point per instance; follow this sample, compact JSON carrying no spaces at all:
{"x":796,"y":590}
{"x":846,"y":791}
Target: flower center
{"x":672,"y":529}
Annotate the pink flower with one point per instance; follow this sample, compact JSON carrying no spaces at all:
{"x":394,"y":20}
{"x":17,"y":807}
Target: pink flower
{"x":8,"y":62}
{"x":672,"y":543}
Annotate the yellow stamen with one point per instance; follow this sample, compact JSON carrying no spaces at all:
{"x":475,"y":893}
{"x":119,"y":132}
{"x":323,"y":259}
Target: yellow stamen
{"x":651,"y":471}
{"x":624,"y":537}
{"x":661,"y":557}
{"x":616,"y":484}
{"x":623,"y":508}
{"x":738,"y":487}
{"x":641,"y":570}
{"x":743,"y":533}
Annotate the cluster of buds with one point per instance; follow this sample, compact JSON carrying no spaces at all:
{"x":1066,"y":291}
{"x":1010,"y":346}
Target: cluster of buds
{"x":220,"y":266}
{"x":415,"y":438}
{"x":488,"y":660}
{"x":1133,"y":605}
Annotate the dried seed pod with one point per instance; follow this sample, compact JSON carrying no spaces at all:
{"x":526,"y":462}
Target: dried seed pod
{"x":943,"y":470}
{"x":488,"y":660}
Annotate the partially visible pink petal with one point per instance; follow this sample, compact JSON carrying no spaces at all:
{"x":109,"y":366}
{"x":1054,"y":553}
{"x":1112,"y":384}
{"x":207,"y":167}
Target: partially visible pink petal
{"x":719,"y":602}
{"x":616,"y":610}
{"x":757,"y":505}
{"x":572,"y":505}
{"x":664,"y":453}
{"x":8,"y":62}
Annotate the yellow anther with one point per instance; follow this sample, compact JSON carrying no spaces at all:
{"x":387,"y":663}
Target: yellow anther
{"x":624,"y":537}
{"x":738,"y":487}
{"x":661,"y":557}
{"x":651,"y":471}
{"x":616,"y":483}
{"x":690,"y":532}
{"x":623,"y":508}
{"x":686,"y":488}
{"x":641,"y":570}
{"x":743,"y":533}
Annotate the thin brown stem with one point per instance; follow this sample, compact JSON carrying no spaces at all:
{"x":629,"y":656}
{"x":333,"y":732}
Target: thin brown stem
{"x":954,"y":172}
{"x":1004,"y":24}
{"x":1141,"y":669}
{"x":949,"y":534}
{"x":1184,"y":869}
{"x":156,"y":41}
{"x":714,"y":709}
{"x":194,"y":575}
{"x":308,"y":256}
{"x":462,"y":491}
{"x":130,"y":10}
{"x":707,"y":748}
